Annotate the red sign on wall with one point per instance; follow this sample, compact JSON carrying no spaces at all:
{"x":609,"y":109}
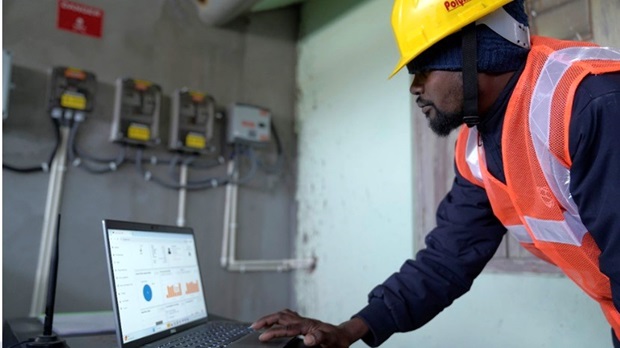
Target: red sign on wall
{"x":80,"y":18}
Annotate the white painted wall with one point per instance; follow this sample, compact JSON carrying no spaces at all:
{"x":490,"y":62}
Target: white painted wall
{"x":354,"y":187}
{"x":355,"y":199}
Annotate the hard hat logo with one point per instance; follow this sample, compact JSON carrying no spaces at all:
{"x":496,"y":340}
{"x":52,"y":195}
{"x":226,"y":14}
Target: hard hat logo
{"x":452,"y":5}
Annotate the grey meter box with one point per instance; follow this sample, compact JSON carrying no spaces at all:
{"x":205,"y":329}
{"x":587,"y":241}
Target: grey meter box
{"x":191,"y":123}
{"x":137,"y":105}
{"x":71,"y":93}
{"x":248,"y":124}
{"x":6,"y":82}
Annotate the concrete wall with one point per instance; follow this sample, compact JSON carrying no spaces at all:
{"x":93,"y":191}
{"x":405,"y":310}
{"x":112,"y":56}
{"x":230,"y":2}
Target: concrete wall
{"x":251,"y":60}
{"x":355,"y":196}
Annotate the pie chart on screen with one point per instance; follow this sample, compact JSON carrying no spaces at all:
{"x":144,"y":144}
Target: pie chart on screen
{"x":147,"y":292}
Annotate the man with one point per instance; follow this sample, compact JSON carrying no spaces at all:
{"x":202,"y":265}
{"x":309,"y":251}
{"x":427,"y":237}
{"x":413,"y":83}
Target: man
{"x":539,"y":156}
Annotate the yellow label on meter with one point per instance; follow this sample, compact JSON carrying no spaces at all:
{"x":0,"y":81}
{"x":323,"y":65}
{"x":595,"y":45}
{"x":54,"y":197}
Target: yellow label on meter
{"x":73,"y":100}
{"x":195,"y":141}
{"x":138,"y":131}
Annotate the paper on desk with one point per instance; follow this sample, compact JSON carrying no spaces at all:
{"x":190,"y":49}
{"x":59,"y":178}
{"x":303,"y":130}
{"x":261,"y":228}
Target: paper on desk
{"x":83,"y":323}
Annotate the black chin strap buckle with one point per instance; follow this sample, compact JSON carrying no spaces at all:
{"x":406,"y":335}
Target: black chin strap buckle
{"x":470,"y":75}
{"x":471,"y":121}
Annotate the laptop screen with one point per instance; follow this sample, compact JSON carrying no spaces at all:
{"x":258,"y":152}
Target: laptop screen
{"x":155,"y":278}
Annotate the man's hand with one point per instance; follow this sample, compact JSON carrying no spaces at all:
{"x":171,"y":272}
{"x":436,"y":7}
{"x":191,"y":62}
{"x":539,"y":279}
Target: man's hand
{"x":287,"y":323}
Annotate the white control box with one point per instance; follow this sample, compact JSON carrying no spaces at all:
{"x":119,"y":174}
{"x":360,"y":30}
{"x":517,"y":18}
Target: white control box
{"x":248,"y":124}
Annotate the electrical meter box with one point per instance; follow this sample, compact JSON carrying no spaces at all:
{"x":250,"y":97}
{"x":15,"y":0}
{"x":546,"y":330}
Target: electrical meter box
{"x":191,"y":124}
{"x":72,"y":93}
{"x":248,"y":124}
{"x":137,"y":105}
{"x":6,"y":82}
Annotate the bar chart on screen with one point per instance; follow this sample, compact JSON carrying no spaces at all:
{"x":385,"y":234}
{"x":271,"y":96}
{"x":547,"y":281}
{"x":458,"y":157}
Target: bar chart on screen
{"x":191,"y":287}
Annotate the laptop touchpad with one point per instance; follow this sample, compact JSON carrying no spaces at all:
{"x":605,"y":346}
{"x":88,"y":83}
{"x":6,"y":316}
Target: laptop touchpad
{"x":251,"y":341}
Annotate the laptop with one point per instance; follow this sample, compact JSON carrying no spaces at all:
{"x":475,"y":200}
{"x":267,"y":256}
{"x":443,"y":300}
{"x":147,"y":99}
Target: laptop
{"x":157,"y":291}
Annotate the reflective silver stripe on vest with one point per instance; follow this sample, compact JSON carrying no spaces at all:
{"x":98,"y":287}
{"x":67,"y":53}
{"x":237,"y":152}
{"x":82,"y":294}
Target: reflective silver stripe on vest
{"x":471,"y":154}
{"x":569,"y":231}
{"x":519,"y":233}
{"x":572,"y":230}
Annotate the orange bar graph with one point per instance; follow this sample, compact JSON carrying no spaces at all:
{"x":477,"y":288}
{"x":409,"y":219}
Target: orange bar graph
{"x":173,"y":290}
{"x":191,"y":287}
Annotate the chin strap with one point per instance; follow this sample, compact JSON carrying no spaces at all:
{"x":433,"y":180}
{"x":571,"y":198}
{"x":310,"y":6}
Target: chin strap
{"x":470,"y":76}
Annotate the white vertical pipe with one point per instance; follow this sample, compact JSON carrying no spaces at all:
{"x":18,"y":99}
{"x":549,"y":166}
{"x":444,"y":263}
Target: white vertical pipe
{"x":52,"y":207}
{"x":225,"y":232}
{"x":229,"y":238}
{"x":232,"y":246}
{"x":182,"y":195}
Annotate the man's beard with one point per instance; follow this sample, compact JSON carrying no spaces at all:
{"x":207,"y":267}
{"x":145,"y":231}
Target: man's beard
{"x":443,"y":123}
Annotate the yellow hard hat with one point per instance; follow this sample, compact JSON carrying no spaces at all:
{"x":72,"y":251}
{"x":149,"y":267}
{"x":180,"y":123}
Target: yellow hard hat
{"x":419,"y":24}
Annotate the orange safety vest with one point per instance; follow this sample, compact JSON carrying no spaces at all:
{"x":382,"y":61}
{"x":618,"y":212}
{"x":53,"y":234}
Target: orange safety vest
{"x":535,"y":205}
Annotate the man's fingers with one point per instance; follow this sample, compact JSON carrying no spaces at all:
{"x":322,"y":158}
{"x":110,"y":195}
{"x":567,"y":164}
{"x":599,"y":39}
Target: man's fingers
{"x":281,"y":331}
{"x":265,"y":321}
{"x":288,"y":323}
{"x":283,"y":317}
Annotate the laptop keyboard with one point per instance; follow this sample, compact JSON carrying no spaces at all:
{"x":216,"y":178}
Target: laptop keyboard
{"x":212,"y":335}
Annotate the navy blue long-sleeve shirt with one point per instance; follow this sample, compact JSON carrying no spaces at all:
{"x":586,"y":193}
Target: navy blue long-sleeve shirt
{"x":468,"y":234}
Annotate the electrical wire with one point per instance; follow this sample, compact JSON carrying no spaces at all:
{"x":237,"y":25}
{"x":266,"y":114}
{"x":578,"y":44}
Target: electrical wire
{"x":208,"y":164}
{"x":151,"y":160}
{"x":190,"y":161}
{"x":44,"y":167}
{"x":205,"y":183}
{"x":93,"y":158}
{"x":277,"y":167}
{"x":237,"y":155}
{"x":173,"y":165}
{"x":81,"y":159}
{"x":239,"y":148}
{"x":202,"y":185}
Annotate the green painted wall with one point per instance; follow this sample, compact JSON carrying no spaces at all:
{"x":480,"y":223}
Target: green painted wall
{"x":355,"y":198}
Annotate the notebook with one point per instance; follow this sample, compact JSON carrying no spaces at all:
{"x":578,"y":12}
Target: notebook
{"x":157,"y":290}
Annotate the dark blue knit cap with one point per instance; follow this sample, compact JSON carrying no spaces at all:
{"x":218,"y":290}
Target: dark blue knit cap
{"x":495,"y":54}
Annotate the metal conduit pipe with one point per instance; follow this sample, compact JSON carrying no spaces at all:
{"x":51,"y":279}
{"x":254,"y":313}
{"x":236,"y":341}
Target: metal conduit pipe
{"x":52,"y":207}
{"x":228,"y":259}
{"x":182,"y":195}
